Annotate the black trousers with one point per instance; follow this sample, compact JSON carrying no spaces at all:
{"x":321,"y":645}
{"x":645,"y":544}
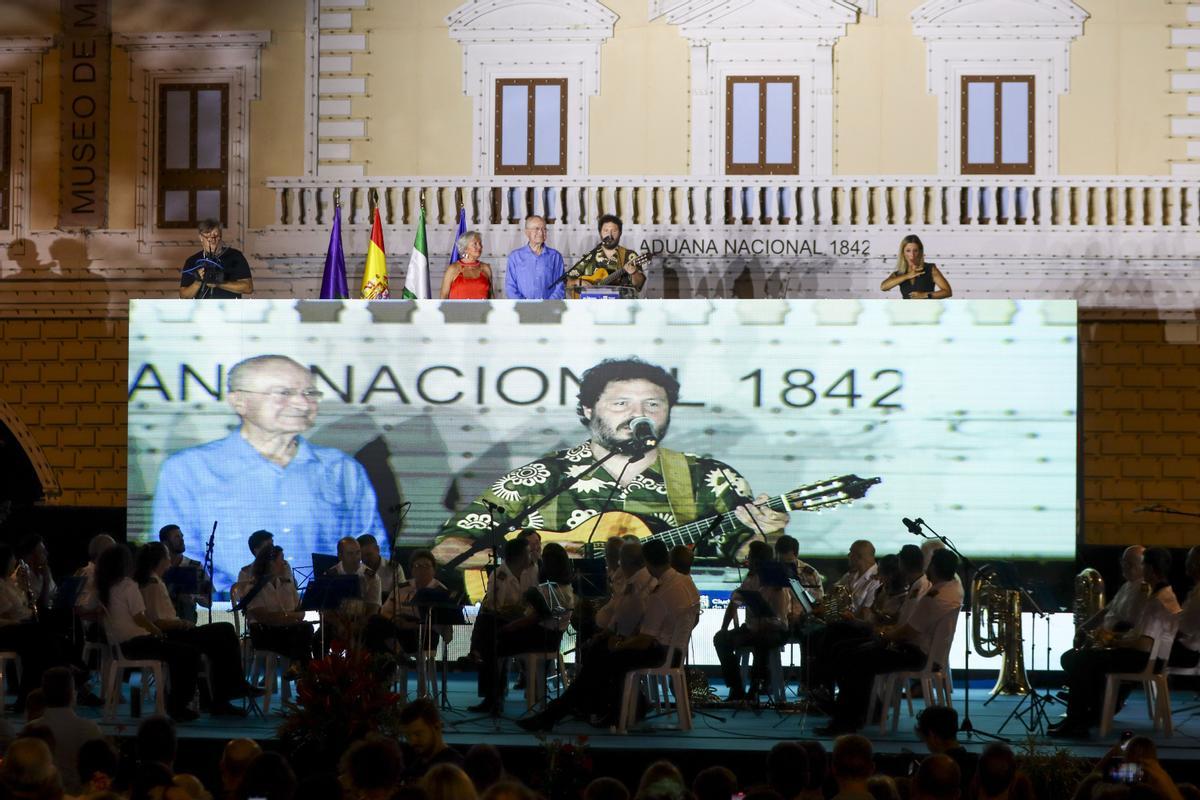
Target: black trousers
{"x":293,"y":641}
{"x":597,"y":687}
{"x":857,"y":671}
{"x":1183,"y":657}
{"x":182,"y":659}
{"x":384,"y":636}
{"x":829,"y":646}
{"x":1087,"y":669}
{"x":760,"y":643}
{"x":219,"y":642}
{"x":36,"y":647}
{"x":493,"y":650}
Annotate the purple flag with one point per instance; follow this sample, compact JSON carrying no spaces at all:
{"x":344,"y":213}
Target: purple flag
{"x":333,"y":282}
{"x":462,"y":228}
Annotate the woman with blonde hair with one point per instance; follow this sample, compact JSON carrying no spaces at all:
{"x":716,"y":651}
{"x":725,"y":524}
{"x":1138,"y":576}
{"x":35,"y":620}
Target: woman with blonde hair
{"x":468,"y":278}
{"x":448,"y":782}
{"x":917,"y":279}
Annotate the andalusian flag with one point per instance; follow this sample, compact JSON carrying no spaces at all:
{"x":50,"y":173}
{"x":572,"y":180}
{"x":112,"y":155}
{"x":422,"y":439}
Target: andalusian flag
{"x":375,"y":279}
{"x":416,"y":280}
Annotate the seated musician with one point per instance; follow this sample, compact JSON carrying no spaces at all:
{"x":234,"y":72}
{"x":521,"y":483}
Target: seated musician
{"x":1125,"y":609}
{"x":1186,"y":651}
{"x":19,"y":631}
{"x":1087,"y":667}
{"x":503,"y":603}
{"x":787,"y":552}
{"x":652,"y":491}
{"x":761,"y":632}
{"x":618,"y":265}
{"x":623,"y":611}
{"x":389,"y":575}
{"x":272,"y":607}
{"x":126,"y":624}
{"x":397,"y":625}
{"x":185,"y":603}
{"x":596,"y":689}
{"x":612,"y":562}
{"x":900,"y":646}
{"x":218,"y":641}
{"x":682,"y":557}
{"x":346,"y":624}
{"x":829,"y":643}
{"x":858,"y":583}
{"x":546,"y":614}
{"x":34,"y":561}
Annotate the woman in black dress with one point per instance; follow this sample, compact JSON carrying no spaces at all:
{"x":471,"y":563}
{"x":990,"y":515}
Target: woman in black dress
{"x":917,"y":279}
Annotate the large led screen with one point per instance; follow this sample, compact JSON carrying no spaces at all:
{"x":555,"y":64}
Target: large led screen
{"x":966,"y":411}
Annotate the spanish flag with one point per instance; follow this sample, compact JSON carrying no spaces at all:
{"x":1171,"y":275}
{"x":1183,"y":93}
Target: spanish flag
{"x":375,"y":277}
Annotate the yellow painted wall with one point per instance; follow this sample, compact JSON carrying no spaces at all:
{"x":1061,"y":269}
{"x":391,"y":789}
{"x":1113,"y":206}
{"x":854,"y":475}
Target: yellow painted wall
{"x":885,"y":122}
{"x":418,"y":118}
{"x":644,"y":74}
{"x":1115,"y":119}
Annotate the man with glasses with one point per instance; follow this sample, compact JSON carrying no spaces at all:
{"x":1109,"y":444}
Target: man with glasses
{"x":534,"y":272}
{"x":265,"y":474}
{"x":218,"y":271}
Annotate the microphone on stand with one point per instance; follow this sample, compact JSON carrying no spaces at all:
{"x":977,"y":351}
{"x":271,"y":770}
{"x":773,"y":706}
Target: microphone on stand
{"x":914,"y":526}
{"x":644,"y":432}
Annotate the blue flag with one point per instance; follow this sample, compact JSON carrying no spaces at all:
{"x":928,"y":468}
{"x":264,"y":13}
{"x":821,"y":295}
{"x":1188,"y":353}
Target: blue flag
{"x":333,"y":282}
{"x":462,"y":228}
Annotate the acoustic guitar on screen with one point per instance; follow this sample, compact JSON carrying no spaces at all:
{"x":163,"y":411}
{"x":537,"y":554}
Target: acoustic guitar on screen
{"x":602,"y":277}
{"x":811,"y":497}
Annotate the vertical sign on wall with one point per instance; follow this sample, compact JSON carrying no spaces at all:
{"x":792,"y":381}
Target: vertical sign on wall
{"x":86,"y":64}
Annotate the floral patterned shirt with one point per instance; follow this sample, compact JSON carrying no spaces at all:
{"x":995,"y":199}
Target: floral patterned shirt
{"x":645,"y":497}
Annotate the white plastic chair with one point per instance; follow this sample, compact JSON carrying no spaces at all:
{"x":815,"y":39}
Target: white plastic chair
{"x":674,"y":675}
{"x":253,"y":659}
{"x":1154,"y":682}
{"x":536,"y":676}
{"x":114,"y":677}
{"x":934,"y":677}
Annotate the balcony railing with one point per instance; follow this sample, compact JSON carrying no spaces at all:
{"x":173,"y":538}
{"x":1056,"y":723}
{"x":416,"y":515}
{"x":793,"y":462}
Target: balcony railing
{"x":1017,"y":203}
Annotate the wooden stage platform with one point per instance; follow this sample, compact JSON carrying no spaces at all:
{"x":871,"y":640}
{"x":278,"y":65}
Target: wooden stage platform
{"x":747,"y":731}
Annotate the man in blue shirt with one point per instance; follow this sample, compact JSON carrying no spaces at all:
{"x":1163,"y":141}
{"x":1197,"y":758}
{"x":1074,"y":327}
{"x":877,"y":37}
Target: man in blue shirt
{"x":265,"y":475}
{"x":533,"y":268}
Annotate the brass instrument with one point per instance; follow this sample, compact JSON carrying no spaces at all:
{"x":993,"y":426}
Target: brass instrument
{"x":25,"y":584}
{"x":1088,"y":600}
{"x":839,"y":598}
{"x":996,"y":630}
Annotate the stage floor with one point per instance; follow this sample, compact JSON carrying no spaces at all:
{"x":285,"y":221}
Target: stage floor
{"x":723,"y":729}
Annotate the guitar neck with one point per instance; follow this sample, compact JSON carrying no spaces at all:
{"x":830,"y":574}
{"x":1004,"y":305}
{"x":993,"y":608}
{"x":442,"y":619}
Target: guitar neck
{"x":723,"y":525}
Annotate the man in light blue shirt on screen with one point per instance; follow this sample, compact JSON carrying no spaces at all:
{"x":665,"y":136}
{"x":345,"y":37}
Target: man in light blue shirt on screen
{"x":535,"y":271}
{"x":265,"y":475}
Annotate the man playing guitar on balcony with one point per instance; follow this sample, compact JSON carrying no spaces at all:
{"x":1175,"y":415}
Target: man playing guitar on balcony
{"x":608,"y":264}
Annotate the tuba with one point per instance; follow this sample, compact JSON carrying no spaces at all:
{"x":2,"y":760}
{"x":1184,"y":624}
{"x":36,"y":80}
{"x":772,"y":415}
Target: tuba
{"x":996,"y":631}
{"x":1087,"y":602}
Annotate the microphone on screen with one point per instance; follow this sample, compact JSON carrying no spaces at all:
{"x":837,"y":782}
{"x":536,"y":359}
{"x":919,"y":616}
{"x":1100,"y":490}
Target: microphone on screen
{"x":914,"y":526}
{"x":644,"y":432}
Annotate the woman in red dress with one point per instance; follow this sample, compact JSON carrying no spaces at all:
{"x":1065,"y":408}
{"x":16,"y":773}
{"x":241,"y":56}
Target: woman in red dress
{"x":468,"y":278}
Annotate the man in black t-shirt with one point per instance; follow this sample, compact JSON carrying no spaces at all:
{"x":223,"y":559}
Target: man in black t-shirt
{"x":217,"y":271}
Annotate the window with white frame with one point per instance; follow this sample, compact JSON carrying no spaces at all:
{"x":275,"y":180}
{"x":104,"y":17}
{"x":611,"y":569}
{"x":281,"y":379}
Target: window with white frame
{"x":531,"y":126}
{"x":762,"y":125}
{"x":997,"y":126}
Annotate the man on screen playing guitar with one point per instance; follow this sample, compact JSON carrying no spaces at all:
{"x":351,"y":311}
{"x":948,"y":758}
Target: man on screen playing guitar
{"x":608,"y":264}
{"x":660,"y":490}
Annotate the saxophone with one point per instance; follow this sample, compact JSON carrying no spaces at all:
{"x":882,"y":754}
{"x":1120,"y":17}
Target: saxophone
{"x":25,"y":584}
{"x":996,"y":630}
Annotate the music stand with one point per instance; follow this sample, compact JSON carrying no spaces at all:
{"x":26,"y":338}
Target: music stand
{"x":326,"y":593}
{"x":591,"y":578}
{"x":322,"y":563}
{"x":436,"y":608}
